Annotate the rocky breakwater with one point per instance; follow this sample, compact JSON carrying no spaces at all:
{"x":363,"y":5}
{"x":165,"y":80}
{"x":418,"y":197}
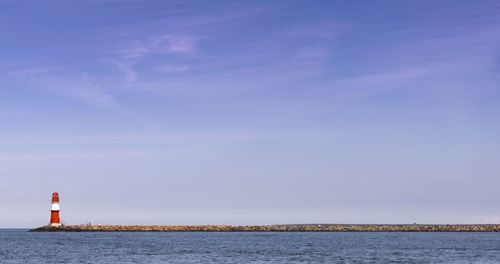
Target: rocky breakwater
{"x":270,"y":228}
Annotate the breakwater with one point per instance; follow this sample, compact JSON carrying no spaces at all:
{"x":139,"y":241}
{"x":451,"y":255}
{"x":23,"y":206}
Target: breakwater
{"x":270,"y":228}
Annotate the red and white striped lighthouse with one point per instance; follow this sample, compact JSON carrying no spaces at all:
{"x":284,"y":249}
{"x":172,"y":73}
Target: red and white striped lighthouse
{"x":54,"y":211}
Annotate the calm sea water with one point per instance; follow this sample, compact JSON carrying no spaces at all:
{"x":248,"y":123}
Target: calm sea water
{"x":20,"y":246}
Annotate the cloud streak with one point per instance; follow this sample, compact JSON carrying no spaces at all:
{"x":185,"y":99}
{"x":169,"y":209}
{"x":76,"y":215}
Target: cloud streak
{"x":76,"y":86}
{"x":164,"y":44}
{"x":170,"y":44}
{"x":82,"y":89}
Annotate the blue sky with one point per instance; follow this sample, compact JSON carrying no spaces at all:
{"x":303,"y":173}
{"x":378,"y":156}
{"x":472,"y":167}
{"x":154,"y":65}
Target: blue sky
{"x":250,"y":112}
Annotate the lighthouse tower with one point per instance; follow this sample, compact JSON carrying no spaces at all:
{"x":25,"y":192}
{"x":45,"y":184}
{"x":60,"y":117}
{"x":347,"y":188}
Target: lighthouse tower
{"x":54,"y":211}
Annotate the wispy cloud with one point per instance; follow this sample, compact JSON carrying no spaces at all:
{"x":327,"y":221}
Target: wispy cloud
{"x":94,"y":94}
{"x":129,"y":73}
{"x":425,"y":60}
{"x":80,"y":88}
{"x":76,"y":86}
{"x":173,"y":44}
{"x":383,"y":81}
{"x":173,"y":68}
{"x":180,"y":44}
{"x":326,"y":30}
{"x":490,"y":219}
{"x":58,"y":81}
{"x":145,"y":137}
{"x":170,"y":44}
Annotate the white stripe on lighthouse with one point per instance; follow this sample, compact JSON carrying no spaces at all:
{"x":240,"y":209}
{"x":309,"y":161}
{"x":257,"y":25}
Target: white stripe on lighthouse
{"x":55,"y":207}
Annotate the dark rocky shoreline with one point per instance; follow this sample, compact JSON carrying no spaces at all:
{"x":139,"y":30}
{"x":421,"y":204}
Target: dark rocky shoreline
{"x":271,"y":228}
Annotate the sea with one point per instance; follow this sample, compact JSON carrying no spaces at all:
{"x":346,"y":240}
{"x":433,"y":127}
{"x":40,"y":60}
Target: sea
{"x":21,"y":246}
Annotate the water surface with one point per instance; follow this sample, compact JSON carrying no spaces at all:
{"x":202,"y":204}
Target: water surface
{"x":20,"y":246}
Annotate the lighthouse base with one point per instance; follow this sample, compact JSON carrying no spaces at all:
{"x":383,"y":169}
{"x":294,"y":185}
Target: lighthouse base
{"x":55,"y":225}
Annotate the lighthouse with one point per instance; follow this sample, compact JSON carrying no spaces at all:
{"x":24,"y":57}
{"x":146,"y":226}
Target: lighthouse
{"x":54,"y":211}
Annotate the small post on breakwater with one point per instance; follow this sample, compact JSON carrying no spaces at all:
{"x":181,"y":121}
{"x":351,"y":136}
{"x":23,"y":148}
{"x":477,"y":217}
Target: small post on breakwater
{"x":55,"y":220}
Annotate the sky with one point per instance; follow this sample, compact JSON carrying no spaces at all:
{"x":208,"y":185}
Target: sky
{"x":250,"y":112}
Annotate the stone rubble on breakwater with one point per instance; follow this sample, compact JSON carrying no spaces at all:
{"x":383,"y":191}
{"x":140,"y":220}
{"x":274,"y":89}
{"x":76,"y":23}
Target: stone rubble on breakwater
{"x":270,"y":228}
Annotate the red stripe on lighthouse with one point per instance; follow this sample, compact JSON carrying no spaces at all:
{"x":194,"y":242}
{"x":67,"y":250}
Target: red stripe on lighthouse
{"x":54,"y":210}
